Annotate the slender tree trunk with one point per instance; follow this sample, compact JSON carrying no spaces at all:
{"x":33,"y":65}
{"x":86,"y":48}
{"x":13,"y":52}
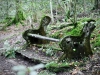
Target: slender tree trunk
{"x":51,"y":11}
{"x":75,"y":14}
{"x":84,"y":6}
{"x":96,"y":4}
{"x":56,"y":11}
{"x":7,"y":9}
{"x":19,"y":13}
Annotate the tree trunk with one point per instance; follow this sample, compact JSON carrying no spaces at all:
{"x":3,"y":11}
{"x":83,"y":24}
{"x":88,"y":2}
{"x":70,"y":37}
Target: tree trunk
{"x":75,"y":14}
{"x":96,"y":4}
{"x":84,"y":6}
{"x":52,"y":18}
{"x":7,"y":9}
{"x":19,"y":13}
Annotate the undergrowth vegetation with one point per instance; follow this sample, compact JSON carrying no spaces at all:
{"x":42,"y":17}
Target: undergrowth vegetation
{"x":55,"y":66}
{"x":62,"y":12}
{"x":69,"y":30}
{"x":8,"y":50}
{"x":23,"y":70}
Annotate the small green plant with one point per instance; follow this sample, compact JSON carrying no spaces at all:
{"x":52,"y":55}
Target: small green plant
{"x":49,"y":52}
{"x":8,"y":50}
{"x":23,"y":70}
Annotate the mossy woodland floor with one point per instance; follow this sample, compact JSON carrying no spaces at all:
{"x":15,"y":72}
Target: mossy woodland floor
{"x":13,"y":35}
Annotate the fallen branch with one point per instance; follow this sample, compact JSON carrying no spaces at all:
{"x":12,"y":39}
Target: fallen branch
{"x":43,"y":37}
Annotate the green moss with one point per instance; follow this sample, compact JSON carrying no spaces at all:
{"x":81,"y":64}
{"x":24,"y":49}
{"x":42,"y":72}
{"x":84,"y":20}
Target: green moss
{"x":18,"y":19}
{"x":97,"y":41}
{"x":57,"y":67}
{"x":68,"y":31}
{"x":75,"y":31}
{"x":96,"y":35}
{"x":84,"y":19}
{"x":56,"y":35}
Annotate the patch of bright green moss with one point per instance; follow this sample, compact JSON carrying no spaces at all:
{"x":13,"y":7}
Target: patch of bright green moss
{"x":56,"y":67}
{"x":75,"y":31}
{"x":97,"y":41}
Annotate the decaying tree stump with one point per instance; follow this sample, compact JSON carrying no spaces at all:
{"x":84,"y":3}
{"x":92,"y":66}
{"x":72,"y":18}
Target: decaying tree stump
{"x":41,"y":31}
{"x":78,"y":46}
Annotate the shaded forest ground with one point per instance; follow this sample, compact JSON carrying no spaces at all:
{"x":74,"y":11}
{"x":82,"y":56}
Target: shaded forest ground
{"x":14,"y":34}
